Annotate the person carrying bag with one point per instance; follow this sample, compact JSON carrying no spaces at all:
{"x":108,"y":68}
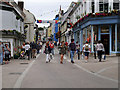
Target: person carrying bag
{"x":100,"y":50}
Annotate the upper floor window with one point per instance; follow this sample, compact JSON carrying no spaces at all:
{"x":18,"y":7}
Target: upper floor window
{"x":103,"y":5}
{"x":116,"y":4}
{"x":93,"y":6}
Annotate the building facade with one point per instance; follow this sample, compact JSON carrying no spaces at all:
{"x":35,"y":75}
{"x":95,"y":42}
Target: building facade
{"x":12,"y":25}
{"x":99,"y":20}
{"x":30,"y":22}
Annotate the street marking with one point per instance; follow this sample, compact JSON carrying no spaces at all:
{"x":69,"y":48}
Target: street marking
{"x":102,"y":70}
{"x":20,"y":79}
{"x":94,"y":73}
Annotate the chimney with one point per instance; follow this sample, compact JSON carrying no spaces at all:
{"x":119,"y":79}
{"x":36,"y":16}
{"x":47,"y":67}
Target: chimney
{"x":21,"y":5}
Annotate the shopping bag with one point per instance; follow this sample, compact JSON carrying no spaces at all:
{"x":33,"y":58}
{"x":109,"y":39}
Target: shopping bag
{"x":82,"y":56}
{"x":64,"y":57}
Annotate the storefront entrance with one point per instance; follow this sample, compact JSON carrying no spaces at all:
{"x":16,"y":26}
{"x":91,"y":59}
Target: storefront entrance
{"x":106,"y":43}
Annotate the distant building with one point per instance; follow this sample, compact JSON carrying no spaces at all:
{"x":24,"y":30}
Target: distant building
{"x":30,"y":22}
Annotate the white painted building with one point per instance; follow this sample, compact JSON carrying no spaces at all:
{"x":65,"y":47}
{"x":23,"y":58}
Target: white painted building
{"x":30,"y":22}
{"x":9,"y":22}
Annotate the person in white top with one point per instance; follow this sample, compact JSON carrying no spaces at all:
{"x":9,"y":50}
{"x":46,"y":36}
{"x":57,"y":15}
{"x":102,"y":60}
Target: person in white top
{"x":86,"y":50}
{"x":27,"y":50}
{"x":100,"y":49}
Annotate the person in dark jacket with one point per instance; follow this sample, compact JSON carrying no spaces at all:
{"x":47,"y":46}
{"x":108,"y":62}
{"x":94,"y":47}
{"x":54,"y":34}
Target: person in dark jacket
{"x":47,"y":51}
{"x":72,"y":48}
{"x":34,"y":47}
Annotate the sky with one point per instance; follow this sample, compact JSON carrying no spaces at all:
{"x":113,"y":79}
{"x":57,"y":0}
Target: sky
{"x":45,"y":9}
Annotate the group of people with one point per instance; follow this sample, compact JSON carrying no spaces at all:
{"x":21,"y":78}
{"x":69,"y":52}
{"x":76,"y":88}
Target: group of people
{"x":27,"y":49}
{"x":4,"y":53}
{"x":75,"y":48}
{"x":31,"y":49}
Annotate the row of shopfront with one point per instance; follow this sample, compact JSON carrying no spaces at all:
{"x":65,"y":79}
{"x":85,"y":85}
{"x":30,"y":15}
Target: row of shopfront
{"x":106,"y":29}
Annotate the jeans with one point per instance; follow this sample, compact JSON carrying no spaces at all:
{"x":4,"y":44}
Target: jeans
{"x":1,"y":58}
{"x":72,"y":54}
{"x":100,"y":55}
{"x":52,"y":51}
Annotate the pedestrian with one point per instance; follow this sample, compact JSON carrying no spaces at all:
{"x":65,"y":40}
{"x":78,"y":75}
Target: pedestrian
{"x":62,"y":51}
{"x":52,"y":49}
{"x":27,"y":50}
{"x":86,"y":50}
{"x":72,"y":48}
{"x":7,"y":53}
{"x":95,"y":50}
{"x":1,"y":53}
{"x":38,"y":48}
{"x":78,"y":50}
{"x":34,"y":49}
{"x":23,"y":47}
{"x":31,"y":50}
{"x":66,"y":44}
{"x":47,"y":51}
{"x":100,"y":50}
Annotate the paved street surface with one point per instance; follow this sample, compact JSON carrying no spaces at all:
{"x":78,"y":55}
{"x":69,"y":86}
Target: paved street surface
{"x":38,"y":74}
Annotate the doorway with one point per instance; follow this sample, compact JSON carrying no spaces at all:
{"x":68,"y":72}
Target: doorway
{"x":106,"y":42}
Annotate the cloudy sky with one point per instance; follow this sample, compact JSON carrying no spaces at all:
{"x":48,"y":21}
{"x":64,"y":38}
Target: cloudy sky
{"x":46,"y":9}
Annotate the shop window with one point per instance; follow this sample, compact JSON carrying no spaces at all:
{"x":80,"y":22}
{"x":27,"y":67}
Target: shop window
{"x":95,"y":33}
{"x":84,"y":35}
{"x":118,"y":37}
{"x":89,"y":34}
{"x":113,"y":37}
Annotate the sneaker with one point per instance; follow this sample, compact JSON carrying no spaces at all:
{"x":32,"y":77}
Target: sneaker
{"x":46,"y":62}
{"x":86,"y":61}
{"x":72,"y":62}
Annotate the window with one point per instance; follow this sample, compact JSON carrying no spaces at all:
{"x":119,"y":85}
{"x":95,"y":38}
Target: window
{"x":113,"y":37}
{"x":103,"y":5}
{"x":95,"y":33}
{"x":116,"y":4}
{"x":89,"y":34}
{"x":118,"y":37}
{"x":93,"y":7}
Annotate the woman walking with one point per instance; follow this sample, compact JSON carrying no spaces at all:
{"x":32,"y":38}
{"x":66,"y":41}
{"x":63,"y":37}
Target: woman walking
{"x":62,"y":51}
{"x":100,"y":49}
{"x":7,"y":53}
{"x":47,"y":51}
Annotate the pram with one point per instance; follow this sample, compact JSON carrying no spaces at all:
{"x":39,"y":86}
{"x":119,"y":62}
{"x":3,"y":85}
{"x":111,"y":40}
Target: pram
{"x":22,"y":55}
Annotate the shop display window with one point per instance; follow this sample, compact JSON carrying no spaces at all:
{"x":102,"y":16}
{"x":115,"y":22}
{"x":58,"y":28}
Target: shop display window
{"x":95,"y":33}
{"x":113,"y":37}
{"x":118,"y":37}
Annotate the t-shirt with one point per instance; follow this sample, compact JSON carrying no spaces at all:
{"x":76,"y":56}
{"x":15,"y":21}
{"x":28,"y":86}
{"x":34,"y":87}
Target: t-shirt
{"x":27,"y":47}
{"x":100,"y":47}
{"x":86,"y":45}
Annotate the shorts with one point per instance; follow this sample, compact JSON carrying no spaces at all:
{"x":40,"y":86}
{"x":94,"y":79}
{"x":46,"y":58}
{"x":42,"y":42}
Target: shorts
{"x":86,"y":54}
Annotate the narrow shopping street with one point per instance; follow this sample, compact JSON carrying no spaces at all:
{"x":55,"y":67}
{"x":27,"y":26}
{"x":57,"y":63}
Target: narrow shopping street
{"x":39,"y":74}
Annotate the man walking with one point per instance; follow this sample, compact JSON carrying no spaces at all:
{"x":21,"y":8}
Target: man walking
{"x":1,"y":53}
{"x":86,"y":50}
{"x":72,"y":48}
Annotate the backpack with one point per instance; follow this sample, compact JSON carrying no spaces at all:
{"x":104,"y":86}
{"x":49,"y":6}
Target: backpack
{"x":51,"y":45}
{"x":86,"y":47}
